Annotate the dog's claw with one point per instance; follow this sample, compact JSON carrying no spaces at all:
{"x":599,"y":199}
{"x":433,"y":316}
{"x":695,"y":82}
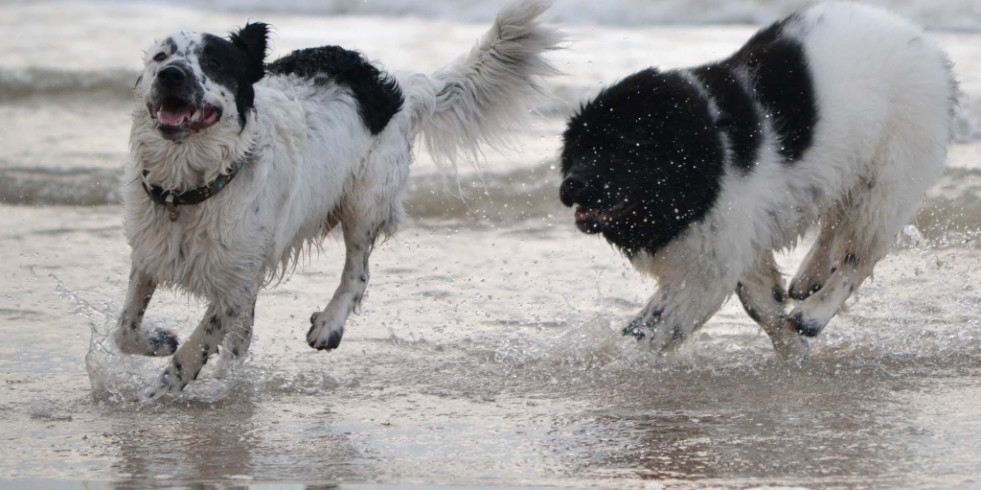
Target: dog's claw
{"x":162,"y":342}
{"x":157,"y":342}
{"x":636,"y":329}
{"x":335,"y":339}
{"x":318,"y":343}
{"x":800,"y":292}
{"x":332,"y":342}
{"x":803,"y":327}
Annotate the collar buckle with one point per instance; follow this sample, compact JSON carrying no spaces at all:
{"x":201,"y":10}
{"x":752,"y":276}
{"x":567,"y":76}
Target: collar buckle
{"x":171,"y":207}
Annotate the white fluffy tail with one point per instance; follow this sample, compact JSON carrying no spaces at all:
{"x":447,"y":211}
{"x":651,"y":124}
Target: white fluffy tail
{"x":482,"y":96}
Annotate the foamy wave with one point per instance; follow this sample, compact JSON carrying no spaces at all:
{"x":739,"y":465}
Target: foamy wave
{"x":948,"y":15}
{"x":949,"y":218}
{"x":16,"y":83}
{"x":19,"y":83}
{"x":48,"y":186}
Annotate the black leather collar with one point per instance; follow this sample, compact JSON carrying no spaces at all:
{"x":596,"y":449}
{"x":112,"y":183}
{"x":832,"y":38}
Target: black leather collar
{"x":171,"y":199}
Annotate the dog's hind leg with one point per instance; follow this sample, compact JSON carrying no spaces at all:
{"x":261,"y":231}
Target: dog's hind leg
{"x":875,"y":212}
{"x":852,"y":269}
{"x":761,"y":292}
{"x":819,"y":264}
{"x":327,"y":326}
{"x":129,"y":334}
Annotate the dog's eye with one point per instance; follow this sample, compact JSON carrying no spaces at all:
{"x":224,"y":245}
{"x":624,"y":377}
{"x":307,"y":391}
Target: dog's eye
{"x":160,"y":57}
{"x":212,"y":63}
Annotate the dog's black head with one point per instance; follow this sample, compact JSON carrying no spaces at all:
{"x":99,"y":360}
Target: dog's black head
{"x":192,"y":82}
{"x":642,"y":161}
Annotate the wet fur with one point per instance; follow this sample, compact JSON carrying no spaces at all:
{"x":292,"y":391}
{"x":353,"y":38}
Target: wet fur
{"x":838,"y":115}
{"x":325,"y":140}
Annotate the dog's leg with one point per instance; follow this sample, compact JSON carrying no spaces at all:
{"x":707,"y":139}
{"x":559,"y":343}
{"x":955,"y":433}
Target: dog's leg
{"x":812,"y":314}
{"x":185,"y":365}
{"x":129,"y":335}
{"x":238,"y":340}
{"x":861,"y":240}
{"x":761,"y":292}
{"x":327,"y":326}
{"x":674,"y":313}
{"x":819,"y":264}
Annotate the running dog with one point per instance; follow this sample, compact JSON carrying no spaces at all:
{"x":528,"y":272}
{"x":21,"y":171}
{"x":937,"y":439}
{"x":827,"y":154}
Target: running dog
{"x":839,"y":115}
{"x":238,"y":165}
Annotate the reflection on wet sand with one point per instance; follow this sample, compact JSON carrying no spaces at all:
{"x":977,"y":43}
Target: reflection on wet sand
{"x":198,"y":443}
{"x":751,"y":425}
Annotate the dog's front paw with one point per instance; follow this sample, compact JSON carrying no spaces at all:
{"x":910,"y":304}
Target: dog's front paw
{"x":803,"y":288}
{"x":788,"y":343}
{"x":802,"y":324}
{"x":171,"y":381}
{"x":324,"y":334}
{"x":637,"y":329}
{"x":658,"y":331}
{"x":157,"y":342}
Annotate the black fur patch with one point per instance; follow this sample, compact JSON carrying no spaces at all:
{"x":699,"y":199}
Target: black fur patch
{"x":378,"y":95}
{"x":171,"y":46}
{"x":782,"y":82}
{"x":738,"y":119}
{"x":644,"y":159}
{"x":236,"y":64}
{"x":648,"y":140}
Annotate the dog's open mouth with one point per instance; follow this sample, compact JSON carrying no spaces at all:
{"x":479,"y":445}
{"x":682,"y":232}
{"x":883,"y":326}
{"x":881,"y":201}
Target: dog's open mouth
{"x":592,"y":220}
{"x":177,"y":115}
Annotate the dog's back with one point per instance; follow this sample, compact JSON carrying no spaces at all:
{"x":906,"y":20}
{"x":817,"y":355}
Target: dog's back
{"x":880,"y":83}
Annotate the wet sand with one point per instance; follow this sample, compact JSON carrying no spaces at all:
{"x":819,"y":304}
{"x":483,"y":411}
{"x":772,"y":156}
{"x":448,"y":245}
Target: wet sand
{"x":485,"y":356}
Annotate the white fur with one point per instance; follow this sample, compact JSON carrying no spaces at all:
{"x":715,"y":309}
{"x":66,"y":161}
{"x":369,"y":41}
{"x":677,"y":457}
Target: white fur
{"x":314,"y":164}
{"x":885,"y":97}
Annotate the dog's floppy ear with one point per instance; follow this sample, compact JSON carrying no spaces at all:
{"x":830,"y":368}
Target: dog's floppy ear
{"x":253,"y":40}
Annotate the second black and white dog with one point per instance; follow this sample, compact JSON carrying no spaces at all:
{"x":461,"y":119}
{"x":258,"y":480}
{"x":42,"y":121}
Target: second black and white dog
{"x":238,"y":165}
{"x":840,"y":114}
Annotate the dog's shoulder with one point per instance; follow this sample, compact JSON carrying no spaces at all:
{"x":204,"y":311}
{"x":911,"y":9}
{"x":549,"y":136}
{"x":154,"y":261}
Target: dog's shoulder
{"x":782,"y":82}
{"x":378,"y":95}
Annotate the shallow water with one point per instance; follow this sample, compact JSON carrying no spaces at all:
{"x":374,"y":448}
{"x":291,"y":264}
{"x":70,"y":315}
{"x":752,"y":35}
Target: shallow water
{"x":488,"y":352}
{"x":481,"y":358}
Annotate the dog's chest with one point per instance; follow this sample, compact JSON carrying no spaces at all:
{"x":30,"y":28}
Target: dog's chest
{"x":200,"y":251}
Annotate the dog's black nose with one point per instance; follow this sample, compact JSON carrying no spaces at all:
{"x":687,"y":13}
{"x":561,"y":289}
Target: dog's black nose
{"x":171,"y":76}
{"x":570,"y":189}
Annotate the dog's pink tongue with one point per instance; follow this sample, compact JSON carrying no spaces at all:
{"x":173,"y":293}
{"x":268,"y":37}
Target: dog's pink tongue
{"x":174,"y":117}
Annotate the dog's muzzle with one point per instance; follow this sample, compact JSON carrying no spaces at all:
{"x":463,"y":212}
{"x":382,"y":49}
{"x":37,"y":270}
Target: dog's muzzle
{"x":176,"y":103}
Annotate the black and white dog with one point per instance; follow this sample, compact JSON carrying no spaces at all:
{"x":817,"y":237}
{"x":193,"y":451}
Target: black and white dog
{"x":237,"y":165}
{"x":838,"y":115}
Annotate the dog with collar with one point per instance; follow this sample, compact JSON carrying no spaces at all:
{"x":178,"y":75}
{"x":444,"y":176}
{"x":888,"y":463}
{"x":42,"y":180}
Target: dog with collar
{"x":238,"y":165}
{"x":839,"y":115}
